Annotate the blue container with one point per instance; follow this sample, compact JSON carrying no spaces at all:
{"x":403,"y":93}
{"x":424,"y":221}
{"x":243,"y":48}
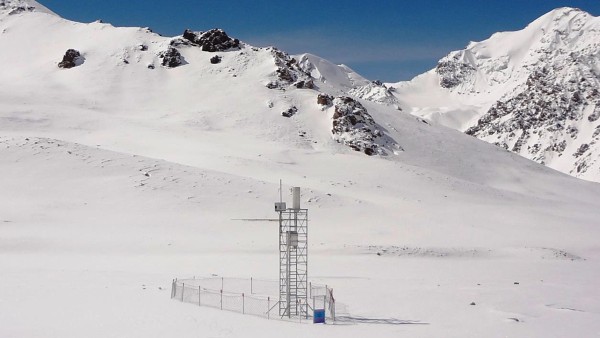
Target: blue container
{"x":319,"y":316}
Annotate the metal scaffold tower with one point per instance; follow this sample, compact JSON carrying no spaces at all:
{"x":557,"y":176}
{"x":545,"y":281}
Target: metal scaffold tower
{"x":293,"y":258}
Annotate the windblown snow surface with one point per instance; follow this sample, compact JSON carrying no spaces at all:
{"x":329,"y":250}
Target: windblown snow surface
{"x":116,"y":178}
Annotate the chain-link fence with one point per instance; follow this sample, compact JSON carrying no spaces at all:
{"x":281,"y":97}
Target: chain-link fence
{"x":256,"y":297}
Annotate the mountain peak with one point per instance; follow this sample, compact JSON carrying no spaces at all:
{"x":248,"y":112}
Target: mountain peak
{"x":561,"y":17}
{"x":565,"y":11}
{"x":531,"y":91}
{"x":12,"y":7}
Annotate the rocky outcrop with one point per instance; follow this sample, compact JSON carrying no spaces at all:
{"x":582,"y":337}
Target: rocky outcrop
{"x":324,"y":100}
{"x":290,"y":112}
{"x":452,"y":72}
{"x":16,"y":7}
{"x":543,"y":119}
{"x":171,"y":58}
{"x":305,"y":84}
{"x":214,"y":40}
{"x":532,"y":91}
{"x":72,"y":58}
{"x":353,"y":126}
{"x":21,"y":9}
{"x":288,"y":72}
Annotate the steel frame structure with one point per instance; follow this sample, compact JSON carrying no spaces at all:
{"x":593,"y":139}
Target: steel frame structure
{"x":293,"y":263}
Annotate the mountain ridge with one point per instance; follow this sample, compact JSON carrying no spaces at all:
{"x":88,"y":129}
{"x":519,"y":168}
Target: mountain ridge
{"x":134,"y":70}
{"x":128,"y":159}
{"x":499,"y":90}
{"x":13,"y":7}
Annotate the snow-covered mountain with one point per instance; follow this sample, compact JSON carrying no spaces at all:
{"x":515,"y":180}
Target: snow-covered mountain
{"x":133,"y":68}
{"x":533,"y":91}
{"x":12,"y":7}
{"x":128,"y":159}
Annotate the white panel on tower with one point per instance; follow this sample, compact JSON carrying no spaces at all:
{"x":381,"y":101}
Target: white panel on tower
{"x":296,"y":198}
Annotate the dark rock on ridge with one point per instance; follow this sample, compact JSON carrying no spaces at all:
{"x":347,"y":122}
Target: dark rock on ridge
{"x":214,"y":40}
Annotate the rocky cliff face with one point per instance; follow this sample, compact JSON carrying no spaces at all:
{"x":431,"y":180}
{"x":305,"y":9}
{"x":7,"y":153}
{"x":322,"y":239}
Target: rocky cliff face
{"x":549,"y":117}
{"x":452,"y":71}
{"x":533,"y":91}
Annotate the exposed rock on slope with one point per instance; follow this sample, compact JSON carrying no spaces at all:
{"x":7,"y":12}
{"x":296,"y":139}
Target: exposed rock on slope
{"x":72,"y":58}
{"x":171,"y":58}
{"x":544,"y":119}
{"x":214,"y":40}
{"x":288,"y":72}
{"x":452,"y":71}
{"x":12,"y":7}
{"x":289,"y":112}
{"x":354,"y":126}
{"x":324,"y":99}
{"x":533,"y":91}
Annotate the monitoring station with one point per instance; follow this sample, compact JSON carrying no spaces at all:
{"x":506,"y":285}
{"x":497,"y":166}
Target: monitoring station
{"x":293,"y":257}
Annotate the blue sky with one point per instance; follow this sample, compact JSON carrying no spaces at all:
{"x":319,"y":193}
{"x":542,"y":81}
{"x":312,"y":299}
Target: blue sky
{"x":388,"y":40}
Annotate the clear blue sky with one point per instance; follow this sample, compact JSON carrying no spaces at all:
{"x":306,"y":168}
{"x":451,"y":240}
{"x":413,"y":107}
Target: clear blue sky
{"x":388,"y":40}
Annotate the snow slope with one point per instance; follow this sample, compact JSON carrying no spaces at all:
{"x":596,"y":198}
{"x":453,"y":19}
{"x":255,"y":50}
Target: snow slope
{"x":533,"y":91}
{"x":12,"y":7}
{"x":117,"y":177}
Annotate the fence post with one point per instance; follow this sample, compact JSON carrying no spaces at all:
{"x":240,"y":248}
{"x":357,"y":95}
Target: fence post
{"x":331,"y":304}
{"x":221,"y":299}
{"x":268,"y":307}
{"x":333,"y":310}
{"x":243,"y":304}
{"x":182,"y":290}
{"x":199,"y":299}
{"x":172,"y":288}
{"x":325,"y":300}
{"x":221,"y":283}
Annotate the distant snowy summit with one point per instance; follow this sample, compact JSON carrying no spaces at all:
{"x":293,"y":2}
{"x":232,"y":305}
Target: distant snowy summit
{"x":533,"y":91}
